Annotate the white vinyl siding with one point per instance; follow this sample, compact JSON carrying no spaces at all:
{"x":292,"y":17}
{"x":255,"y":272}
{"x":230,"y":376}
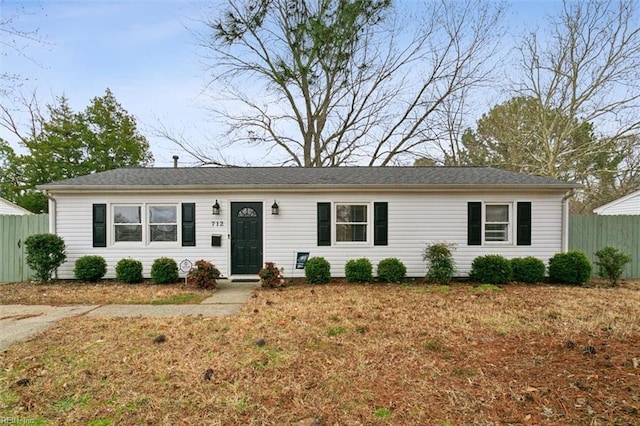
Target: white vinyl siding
{"x":414,"y":219}
{"x":8,"y":208}
{"x":627,"y":205}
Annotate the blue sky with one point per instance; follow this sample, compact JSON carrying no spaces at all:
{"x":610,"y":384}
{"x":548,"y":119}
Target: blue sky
{"x":141,"y":50}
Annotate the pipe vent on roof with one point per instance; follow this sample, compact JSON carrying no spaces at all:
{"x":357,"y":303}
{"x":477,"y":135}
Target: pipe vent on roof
{"x":175,"y":161}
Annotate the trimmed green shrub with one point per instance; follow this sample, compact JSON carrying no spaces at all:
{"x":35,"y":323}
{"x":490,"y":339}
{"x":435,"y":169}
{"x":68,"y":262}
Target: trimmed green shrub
{"x":358,"y":270}
{"x":491,"y":269}
{"x":204,"y":275}
{"x":270,"y":275}
{"x":90,"y":268}
{"x":317,"y":270}
{"x":440,"y":264}
{"x":45,"y":252}
{"x":571,"y":267}
{"x":527,"y":269}
{"x":391,"y":270}
{"x":164,"y":270}
{"x":611,"y":263}
{"x":129,"y":271}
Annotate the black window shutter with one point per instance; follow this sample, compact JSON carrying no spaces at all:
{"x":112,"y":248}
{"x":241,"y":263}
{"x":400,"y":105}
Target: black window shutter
{"x":324,"y":224}
{"x":99,"y":225}
{"x":188,"y":224}
{"x":524,"y":224}
{"x":380,"y":228}
{"x":474,"y":223}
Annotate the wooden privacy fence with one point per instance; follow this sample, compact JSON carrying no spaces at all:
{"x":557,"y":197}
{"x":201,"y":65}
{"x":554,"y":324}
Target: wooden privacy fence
{"x":592,"y":233}
{"x":13,"y":231}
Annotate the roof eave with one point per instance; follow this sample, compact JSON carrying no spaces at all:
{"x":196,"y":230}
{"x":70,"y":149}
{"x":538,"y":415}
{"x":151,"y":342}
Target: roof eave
{"x":615,"y":202}
{"x":304,"y":187}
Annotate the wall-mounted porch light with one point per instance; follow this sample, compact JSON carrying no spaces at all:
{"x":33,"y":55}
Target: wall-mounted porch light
{"x":215,"y":209}
{"x":275,"y":207}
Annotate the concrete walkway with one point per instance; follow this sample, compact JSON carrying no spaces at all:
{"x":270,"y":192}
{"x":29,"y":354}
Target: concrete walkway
{"x":226,"y":300}
{"x":18,"y":322}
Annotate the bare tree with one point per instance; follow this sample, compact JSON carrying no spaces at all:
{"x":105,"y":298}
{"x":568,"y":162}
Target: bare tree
{"x":201,"y":155}
{"x":450,"y":121}
{"x":586,"y":67}
{"x":611,"y":183}
{"x":29,"y":108}
{"x":15,"y":40}
{"x":333,"y":82}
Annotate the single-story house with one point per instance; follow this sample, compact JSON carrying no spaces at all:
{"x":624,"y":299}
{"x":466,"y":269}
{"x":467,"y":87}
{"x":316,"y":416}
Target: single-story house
{"x":629,"y":204}
{"x":238,"y":218}
{"x":7,"y":207}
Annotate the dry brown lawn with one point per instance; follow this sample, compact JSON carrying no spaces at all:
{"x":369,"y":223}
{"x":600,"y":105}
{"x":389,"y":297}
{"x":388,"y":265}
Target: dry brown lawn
{"x":345,"y":355}
{"x":68,"y":292}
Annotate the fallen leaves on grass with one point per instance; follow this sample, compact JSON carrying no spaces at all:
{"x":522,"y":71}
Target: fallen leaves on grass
{"x":104,"y":292}
{"x":402,"y":356}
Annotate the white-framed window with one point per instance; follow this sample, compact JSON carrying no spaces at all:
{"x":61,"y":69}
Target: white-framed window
{"x":351,"y":223}
{"x":497,"y":222}
{"x":127,"y":223}
{"x":145,"y":223}
{"x":163,"y":223}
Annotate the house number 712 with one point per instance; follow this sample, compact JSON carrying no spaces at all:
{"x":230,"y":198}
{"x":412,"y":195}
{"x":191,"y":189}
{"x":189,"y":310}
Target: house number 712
{"x":217,"y":223}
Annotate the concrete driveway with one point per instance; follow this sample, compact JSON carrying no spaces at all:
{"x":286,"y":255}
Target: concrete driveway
{"x":19,"y":322}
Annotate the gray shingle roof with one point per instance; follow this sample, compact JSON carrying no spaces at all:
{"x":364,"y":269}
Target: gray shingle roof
{"x":274,"y":177}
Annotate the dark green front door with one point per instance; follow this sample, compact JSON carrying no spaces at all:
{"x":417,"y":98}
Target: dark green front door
{"x":246,"y":238}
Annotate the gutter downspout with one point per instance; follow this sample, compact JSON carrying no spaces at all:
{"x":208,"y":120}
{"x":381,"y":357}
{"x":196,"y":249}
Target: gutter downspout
{"x":52,"y":211}
{"x":564,"y":246}
{"x":52,"y":217}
